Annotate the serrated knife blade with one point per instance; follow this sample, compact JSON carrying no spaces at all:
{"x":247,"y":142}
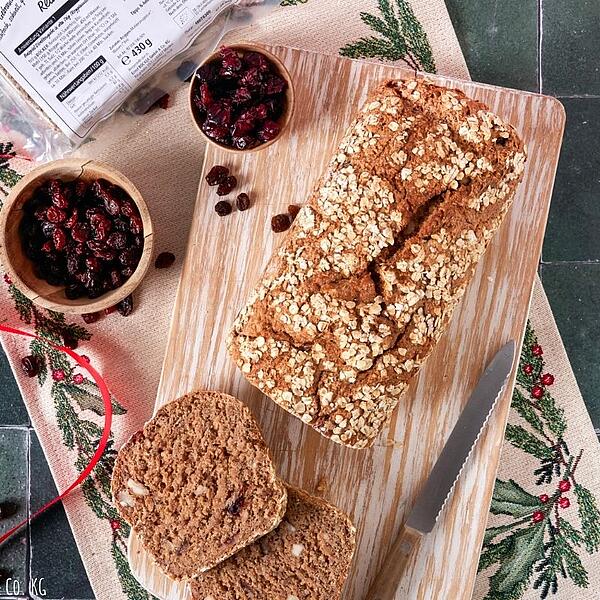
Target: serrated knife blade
{"x":462,"y":440}
{"x":442,"y":479}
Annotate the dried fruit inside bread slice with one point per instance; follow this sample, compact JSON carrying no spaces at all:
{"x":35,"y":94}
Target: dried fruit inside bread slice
{"x":307,"y":556}
{"x":197,"y":483}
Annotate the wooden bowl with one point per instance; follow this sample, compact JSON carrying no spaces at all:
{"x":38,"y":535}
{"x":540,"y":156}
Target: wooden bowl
{"x":20,"y":268}
{"x":283,"y":120}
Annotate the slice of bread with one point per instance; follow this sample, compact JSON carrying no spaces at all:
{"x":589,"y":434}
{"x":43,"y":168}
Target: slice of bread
{"x":197,"y":483}
{"x":306,"y":558}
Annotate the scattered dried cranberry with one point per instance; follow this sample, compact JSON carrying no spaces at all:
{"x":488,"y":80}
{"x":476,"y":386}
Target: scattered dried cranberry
{"x":125,"y":307}
{"x":236,"y":506}
{"x":269,"y":131}
{"x":59,"y":238}
{"x":135,"y":222}
{"x":100,"y":226}
{"x":164,"y":260}
{"x":73,"y":292}
{"x":92,"y":263}
{"x":238,"y":98}
{"x":110,"y":310}
{"x":223,"y":208}
{"x":80,"y":232}
{"x":116,"y":278}
{"x":216,"y":175}
{"x":117,"y":240}
{"x":58,"y":194}
{"x":55,"y":215}
{"x":227,"y":185}
{"x":85,"y":236}
{"x":280,"y":223}
{"x":293,"y":210}
{"x":243,"y":201}
{"x":31,"y":365}
{"x":90,"y":317}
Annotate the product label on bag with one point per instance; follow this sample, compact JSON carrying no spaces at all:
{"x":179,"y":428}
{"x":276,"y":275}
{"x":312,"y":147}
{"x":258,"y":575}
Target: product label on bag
{"x":80,"y":59}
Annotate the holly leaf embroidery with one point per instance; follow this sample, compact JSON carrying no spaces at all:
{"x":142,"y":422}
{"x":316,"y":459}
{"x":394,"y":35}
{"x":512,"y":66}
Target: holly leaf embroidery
{"x":526,"y":547}
{"x":493,"y":553}
{"x":493,"y":532}
{"x":511,"y":499}
{"x":537,"y":539}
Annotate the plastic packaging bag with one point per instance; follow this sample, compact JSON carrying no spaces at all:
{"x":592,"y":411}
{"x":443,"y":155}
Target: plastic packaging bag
{"x":69,"y":118}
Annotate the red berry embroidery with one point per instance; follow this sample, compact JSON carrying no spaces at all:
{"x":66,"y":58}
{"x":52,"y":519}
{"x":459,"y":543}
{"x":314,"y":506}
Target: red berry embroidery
{"x":544,"y":498}
{"x":547,"y":379}
{"x":538,"y":516}
{"x":528,"y":369}
{"x":564,"y":485}
{"x":78,"y":378}
{"x":58,"y":374}
{"x":537,"y":391}
{"x":115,"y":525}
{"x":536,"y":349}
{"x":564,"y":503}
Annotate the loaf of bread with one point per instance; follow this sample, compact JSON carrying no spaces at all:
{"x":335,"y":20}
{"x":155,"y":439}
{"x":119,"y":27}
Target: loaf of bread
{"x":197,"y":483}
{"x":306,"y":558}
{"x":367,"y":279}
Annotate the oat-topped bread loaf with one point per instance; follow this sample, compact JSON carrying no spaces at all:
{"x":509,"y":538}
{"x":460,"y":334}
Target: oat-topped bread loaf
{"x":197,"y":483}
{"x":306,"y":558}
{"x":367,"y":279}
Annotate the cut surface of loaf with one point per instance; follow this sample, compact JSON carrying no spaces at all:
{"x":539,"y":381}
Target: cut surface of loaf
{"x":197,"y":483}
{"x":367,"y":279}
{"x":307,"y":557}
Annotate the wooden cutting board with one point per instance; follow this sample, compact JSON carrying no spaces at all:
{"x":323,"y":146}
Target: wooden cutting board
{"x":225,"y":257}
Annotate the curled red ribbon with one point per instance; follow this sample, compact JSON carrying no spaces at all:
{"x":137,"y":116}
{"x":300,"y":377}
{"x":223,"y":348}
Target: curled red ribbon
{"x":103,"y":439}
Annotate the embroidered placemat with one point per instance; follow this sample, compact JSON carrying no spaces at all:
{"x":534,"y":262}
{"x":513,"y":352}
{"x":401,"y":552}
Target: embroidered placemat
{"x":163,"y":158}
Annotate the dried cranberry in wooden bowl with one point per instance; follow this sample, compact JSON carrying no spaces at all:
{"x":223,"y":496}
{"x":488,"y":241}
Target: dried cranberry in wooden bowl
{"x":75,"y":218}
{"x":242,"y":98}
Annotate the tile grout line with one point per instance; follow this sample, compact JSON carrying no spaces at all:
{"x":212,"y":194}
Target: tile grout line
{"x":591,"y":261}
{"x":540,"y":39}
{"x":578,"y":96}
{"x":29,"y":553}
{"x":569,"y":262}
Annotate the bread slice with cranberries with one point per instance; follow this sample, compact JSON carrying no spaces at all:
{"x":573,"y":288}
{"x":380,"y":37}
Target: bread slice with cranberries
{"x":197,"y":483}
{"x":306,"y":558}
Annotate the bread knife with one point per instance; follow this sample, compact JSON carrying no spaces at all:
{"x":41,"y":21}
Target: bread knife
{"x":440,"y":483}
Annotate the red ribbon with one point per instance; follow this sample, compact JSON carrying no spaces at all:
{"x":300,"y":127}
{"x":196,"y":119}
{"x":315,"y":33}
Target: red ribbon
{"x":105,"y":433}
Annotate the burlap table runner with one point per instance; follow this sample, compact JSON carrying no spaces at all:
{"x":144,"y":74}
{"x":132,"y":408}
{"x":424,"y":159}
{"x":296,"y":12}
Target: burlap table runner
{"x":163,"y":157}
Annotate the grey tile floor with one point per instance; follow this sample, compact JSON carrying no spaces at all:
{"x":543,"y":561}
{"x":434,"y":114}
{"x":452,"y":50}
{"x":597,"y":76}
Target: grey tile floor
{"x":538,"y":45}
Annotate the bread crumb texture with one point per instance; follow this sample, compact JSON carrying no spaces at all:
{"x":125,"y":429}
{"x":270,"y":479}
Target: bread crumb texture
{"x":367,"y":279}
{"x":197,"y":483}
{"x":306,"y":558}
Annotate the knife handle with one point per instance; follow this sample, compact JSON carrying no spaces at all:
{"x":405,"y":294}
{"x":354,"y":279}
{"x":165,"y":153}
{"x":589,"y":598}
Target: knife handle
{"x":386,"y":583}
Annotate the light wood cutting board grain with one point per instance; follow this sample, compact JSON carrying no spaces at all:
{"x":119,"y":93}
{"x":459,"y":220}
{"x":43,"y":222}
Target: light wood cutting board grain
{"x":224,"y":259}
